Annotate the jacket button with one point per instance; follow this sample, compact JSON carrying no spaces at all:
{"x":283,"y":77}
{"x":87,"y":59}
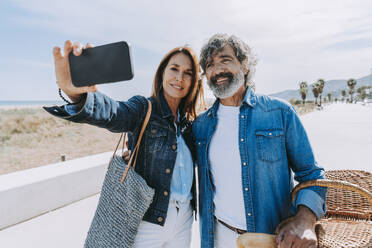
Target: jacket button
{"x":153,"y":131}
{"x":174,"y":147}
{"x":160,"y":219}
{"x":166,"y":193}
{"x":168,"y":171}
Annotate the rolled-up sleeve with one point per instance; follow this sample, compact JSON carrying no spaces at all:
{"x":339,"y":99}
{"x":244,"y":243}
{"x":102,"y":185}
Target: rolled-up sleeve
{"x":102,"y":111}
{"x":302,"y":162}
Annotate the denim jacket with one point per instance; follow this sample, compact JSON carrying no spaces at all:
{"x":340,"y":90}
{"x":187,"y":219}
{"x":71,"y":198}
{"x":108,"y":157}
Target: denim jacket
{"x":158,"y":149}
{"x":273,"y":146}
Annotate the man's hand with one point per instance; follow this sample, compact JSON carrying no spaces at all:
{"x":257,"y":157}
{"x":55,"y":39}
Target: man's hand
{"x":299,"y":231}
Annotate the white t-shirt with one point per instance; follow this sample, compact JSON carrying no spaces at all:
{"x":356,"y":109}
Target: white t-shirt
{"x":226,"y":168}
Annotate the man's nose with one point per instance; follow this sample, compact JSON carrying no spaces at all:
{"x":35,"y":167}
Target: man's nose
{"x":218,"y":69}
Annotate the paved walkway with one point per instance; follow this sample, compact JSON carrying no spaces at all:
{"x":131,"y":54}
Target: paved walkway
{"x":341,"y":136}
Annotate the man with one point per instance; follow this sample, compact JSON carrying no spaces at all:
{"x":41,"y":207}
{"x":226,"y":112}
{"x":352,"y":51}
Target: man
{"x":248,"y":147}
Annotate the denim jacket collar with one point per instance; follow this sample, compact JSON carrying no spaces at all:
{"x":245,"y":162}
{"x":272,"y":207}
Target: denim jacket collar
{"x":250,"y":98}
{"x":165,"y":110}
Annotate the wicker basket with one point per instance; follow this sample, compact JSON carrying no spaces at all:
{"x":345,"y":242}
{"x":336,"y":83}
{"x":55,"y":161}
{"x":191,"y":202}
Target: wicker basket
{"x":347,"y":223}
{"x":348,"y":220}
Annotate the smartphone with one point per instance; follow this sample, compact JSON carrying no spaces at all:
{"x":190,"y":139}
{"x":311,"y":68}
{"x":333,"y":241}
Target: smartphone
{"x":102,"y":64}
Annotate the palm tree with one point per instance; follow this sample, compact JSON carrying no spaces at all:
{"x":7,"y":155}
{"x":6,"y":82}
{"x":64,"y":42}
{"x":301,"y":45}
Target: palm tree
{"x":303,"y":91}
{"x":362,"y":92}
{"x":315,"y":92}
{"x":343,"y":94}
{"x":329,"y":97}
{"x":351,"y":83}
{"x":320,"y":83}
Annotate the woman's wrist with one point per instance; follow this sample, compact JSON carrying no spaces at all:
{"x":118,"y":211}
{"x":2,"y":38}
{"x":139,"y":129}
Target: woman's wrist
{"x":75,"y":98}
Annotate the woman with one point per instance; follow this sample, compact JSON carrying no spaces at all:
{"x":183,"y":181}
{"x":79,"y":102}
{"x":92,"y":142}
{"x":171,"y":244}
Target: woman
{"x":166,"y":154}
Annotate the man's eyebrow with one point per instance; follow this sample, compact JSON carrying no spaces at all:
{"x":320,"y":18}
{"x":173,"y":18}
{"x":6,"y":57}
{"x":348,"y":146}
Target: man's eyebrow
{"x":223,"y":56}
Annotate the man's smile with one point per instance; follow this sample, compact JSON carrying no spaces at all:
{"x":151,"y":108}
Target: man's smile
{"x":222,"y":80}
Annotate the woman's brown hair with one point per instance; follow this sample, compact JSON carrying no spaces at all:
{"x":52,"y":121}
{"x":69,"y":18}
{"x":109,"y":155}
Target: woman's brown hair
{"x":193,"y":102}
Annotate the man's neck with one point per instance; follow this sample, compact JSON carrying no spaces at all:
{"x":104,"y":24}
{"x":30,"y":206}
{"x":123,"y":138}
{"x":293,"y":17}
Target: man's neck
{"x":236,"y":99}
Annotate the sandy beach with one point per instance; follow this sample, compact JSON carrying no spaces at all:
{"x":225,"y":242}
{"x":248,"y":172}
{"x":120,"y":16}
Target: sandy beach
{"x":30,"y":137}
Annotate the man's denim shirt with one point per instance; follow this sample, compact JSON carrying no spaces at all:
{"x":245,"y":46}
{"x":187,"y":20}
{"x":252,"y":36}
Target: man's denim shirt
{"x":273,"y":145}
{"x":158,"y":149}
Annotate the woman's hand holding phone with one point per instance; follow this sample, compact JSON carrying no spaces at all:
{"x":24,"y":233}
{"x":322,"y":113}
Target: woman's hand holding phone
{"x":62,"y":70}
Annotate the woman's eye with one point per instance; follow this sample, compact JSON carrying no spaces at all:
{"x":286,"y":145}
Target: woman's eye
{"x":174,"y":69}
{"x":189,"y":74}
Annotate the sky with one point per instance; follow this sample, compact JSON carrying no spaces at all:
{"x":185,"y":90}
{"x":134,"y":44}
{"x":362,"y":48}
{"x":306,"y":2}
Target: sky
{"x":294,"y":40}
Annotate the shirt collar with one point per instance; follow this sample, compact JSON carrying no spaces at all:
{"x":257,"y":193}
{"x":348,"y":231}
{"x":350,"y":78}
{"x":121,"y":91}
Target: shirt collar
{"x":250,"y":97}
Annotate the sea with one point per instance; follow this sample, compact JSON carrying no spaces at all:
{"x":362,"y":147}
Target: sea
{"x":30,"y":103}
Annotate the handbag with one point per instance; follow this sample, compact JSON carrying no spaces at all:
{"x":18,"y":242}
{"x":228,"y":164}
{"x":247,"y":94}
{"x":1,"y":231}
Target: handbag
{"x":124,"y":200}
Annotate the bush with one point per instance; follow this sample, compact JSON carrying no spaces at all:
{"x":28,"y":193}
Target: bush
{"x":295,"y":101}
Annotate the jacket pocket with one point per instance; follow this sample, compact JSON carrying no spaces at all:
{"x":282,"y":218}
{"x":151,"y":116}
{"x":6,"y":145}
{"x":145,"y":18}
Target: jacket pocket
{"x":157,"y":137}
{"x":270,"y":144}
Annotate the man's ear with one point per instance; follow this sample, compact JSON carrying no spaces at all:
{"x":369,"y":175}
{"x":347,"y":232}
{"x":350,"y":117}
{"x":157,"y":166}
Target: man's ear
{"x":245,"y":70}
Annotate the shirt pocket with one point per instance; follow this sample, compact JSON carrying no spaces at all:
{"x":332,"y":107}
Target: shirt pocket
{"x":270,"y":145}
{"x":156,"y":138}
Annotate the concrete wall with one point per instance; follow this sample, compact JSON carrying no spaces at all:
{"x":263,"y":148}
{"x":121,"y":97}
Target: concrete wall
{"x":29,"y":193}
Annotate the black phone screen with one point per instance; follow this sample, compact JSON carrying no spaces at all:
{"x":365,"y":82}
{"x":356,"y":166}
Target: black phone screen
{"x":102,"y":64}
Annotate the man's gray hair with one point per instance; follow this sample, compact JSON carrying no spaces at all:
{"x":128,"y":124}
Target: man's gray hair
{"x":242,"y":51}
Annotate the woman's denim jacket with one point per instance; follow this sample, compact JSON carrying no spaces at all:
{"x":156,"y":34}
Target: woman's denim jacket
{"x":158,"y":148}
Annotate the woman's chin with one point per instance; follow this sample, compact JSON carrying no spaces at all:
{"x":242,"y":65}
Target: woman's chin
{"x":175,"y":94}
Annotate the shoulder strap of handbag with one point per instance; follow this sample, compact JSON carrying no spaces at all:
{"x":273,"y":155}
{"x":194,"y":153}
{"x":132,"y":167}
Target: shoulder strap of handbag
{"x":136,"y":148}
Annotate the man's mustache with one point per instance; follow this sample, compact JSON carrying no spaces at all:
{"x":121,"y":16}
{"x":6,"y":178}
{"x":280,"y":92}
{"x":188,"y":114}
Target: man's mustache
{"x":229,"y":75}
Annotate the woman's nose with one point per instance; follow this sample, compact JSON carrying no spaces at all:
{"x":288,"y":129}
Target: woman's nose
{"x":179,"y":77}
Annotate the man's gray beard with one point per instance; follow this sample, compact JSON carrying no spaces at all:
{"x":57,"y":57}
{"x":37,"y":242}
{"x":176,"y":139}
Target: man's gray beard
{"x":229,"y":89}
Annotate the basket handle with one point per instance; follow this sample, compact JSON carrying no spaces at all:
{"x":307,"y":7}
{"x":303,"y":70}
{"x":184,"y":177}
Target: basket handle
{"x":333,"y":184}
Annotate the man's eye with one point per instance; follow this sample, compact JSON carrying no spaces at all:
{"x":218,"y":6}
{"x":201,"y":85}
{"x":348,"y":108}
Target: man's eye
{"x":225,"y":61}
